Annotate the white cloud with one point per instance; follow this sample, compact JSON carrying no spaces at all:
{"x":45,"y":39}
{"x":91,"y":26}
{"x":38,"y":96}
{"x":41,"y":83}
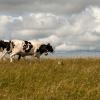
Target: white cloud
{"x":89,"y":37}
{"x":19,"y":18}
{"x":53,"y":39}
{"x":3,"y":21}
{"x":78,"y":31}
{"x":25,"y":32}
{"x":66,"y":47}
{"x":42,"y":20}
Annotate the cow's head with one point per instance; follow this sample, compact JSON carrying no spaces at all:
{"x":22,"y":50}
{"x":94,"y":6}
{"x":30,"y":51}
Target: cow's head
{"x":45,"y":49}
{"x":50,"y":48}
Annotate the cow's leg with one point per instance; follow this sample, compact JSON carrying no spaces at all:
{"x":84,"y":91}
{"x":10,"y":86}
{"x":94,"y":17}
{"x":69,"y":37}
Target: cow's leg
{"x":19,"y":57}
{"x":11,"y":56}
{"x":37,"y":55}
{"x":3,"y":55}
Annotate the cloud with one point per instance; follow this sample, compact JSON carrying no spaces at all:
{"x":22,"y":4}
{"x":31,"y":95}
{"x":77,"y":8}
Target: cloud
{"x":65,"y":47}
{"x":34,"y":25}
{"x":61,"y":7}
{"x":53,"y":39}
{"x":88,"y":37}
{"x":4,"y":20}
{"x":80,"y":31}
{"x":37,"y":21}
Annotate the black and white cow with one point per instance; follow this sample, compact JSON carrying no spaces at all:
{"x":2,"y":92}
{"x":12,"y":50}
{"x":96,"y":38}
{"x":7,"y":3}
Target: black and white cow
{"x":26,"y":48}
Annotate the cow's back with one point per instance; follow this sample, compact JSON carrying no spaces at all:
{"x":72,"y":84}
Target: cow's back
{"x":36,"y":44}
{"x":18,"y":45}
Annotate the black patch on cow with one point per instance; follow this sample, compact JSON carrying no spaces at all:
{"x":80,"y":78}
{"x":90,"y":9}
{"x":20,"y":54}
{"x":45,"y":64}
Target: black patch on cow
{"x":2,"y":44}
{"x":5,"y":45}
{"x":45,"y":48}
{"x":27,"y":46}
{"x":42,"y":49}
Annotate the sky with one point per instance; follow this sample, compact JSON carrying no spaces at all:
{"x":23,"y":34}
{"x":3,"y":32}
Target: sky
{"x":67,"y":24}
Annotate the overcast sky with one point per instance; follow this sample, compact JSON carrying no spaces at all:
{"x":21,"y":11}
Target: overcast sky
{"x":66,"y":24}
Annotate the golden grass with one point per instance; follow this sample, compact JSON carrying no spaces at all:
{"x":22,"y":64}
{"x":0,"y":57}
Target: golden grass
{"x":50,"y":79}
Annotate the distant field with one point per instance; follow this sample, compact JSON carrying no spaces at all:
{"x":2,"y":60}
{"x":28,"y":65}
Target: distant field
{"x":50,"y":79}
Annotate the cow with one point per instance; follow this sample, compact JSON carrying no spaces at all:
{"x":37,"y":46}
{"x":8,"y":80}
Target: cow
{"x":25,"y":48}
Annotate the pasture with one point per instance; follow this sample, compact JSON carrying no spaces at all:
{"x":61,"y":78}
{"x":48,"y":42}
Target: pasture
{"x":50,"y":79}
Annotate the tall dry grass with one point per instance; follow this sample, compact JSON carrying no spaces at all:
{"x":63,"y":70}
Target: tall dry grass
{"x":50,"y":79}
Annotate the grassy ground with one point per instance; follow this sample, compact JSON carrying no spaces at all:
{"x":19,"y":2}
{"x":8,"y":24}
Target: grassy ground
{"x":50,"y":79}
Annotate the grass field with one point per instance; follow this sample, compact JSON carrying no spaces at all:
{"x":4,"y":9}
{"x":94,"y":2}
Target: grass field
{"x":50,"y":79}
